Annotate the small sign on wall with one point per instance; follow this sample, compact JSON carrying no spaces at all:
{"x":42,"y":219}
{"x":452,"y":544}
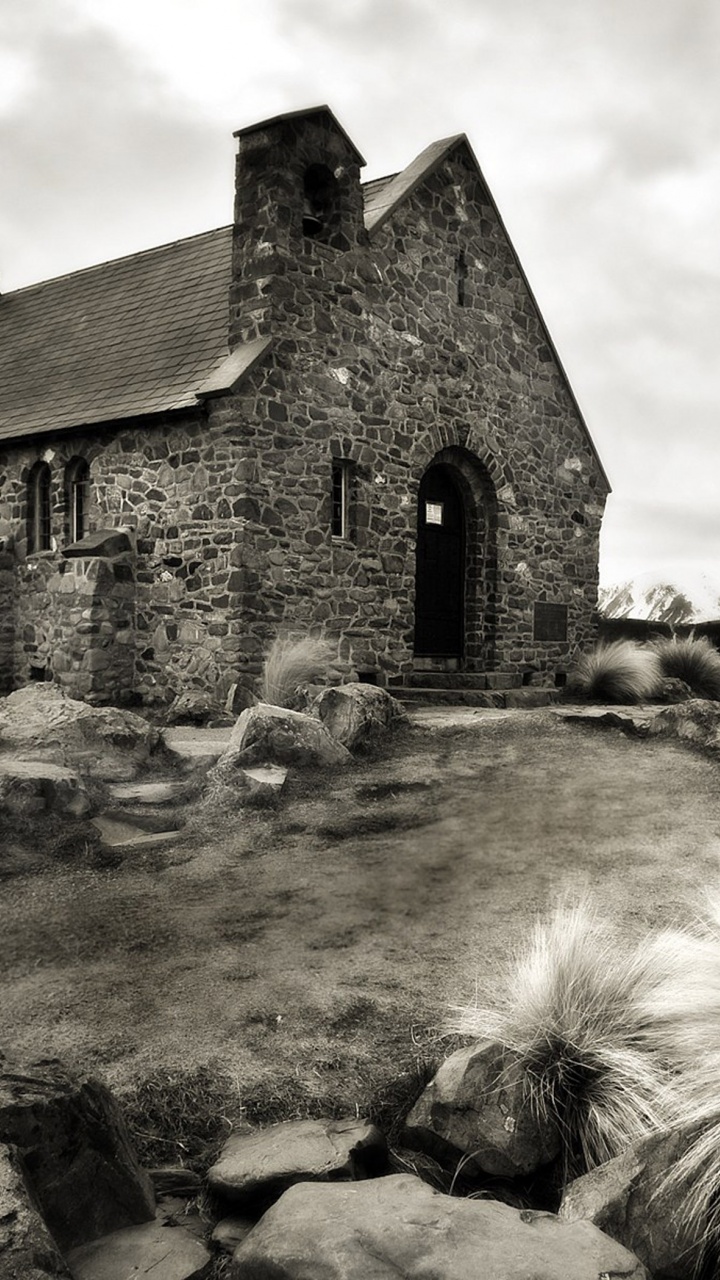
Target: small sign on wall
{"x":433,"y":512}
{"x":550,"y":621}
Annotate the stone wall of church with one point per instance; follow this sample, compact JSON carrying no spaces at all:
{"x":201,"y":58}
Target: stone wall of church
{"x":424,"y":344}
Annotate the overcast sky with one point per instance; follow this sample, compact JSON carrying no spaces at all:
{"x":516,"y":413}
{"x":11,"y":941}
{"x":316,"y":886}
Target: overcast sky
{"x":596,"y":122}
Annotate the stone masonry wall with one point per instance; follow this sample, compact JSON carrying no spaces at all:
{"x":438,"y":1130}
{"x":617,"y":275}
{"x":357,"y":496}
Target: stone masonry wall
{"x":374,"y":362}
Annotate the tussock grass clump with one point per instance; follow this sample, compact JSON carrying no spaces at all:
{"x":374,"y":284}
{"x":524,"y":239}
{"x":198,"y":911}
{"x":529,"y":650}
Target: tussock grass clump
{"x":572,"y":1005}
{"x":692,"y":659}
{"x":621,"y":671}
{"x":292,"y":663}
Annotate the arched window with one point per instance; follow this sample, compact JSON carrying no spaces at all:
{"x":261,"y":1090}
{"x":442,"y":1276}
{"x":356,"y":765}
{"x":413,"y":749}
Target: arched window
{"x":77,"y":488}
{"x":39,"y":516}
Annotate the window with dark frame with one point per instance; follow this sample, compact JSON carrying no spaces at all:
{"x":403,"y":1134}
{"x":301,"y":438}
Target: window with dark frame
{"x":461,"y":273}
{"x":550,"y":621}
{"x":77,"y":487}
{"x":39,"y":515}
{"x":340,"y":520}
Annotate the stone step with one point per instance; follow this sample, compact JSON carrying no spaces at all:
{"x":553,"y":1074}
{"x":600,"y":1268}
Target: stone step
{"x":513,"y":698}
{"x":116,"y":833}
{"x":149,"y":793}
{"x":195,"y":750}
{"x":457,"y":680}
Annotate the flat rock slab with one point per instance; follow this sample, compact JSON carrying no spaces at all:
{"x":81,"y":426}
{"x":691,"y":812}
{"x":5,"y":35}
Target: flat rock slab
{"x":398,"y":1226}
{"x":265,"y":1163}
{"x":195,"y":750}
{"x":148,"y":792}
{"x":476,"y":1110}
{"x":38,"y":786}
{"x":152,"y":1250}
{"x":230,"y":1232}
{"x":116,"y":834}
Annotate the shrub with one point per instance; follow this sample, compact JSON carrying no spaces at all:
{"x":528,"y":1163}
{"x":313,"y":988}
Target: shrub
{"x":621,"y":671}
{"x":696,"y":661}
{"x":573,"y":1006}
{"x":293,"y":662}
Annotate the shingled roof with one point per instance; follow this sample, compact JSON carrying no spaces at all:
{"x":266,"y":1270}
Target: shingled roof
{"x":135,"y":336}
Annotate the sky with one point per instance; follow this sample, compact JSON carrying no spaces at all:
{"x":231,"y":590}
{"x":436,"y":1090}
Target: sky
{"x":596,"y":124}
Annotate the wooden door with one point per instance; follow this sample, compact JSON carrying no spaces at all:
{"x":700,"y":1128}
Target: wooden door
{"x":440,"y":572}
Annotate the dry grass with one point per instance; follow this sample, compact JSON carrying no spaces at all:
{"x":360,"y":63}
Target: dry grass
{"x":621,"y":671}
{"x":572,"y":1005}
{"x":696,"y":661}
{"x":292,"y":663}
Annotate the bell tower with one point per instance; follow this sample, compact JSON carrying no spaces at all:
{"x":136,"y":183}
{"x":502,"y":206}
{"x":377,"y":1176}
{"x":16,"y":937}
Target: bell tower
{"x":298,"y":204}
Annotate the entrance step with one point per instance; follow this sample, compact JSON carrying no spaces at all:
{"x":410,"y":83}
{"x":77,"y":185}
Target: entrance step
{"x":459,"y":680}
{"x":516,"y":698}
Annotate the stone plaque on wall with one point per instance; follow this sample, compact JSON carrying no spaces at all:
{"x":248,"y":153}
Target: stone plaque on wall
{"x":550,"y":622}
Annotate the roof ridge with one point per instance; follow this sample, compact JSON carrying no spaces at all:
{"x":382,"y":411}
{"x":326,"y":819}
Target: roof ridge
{"x":108,"y":262}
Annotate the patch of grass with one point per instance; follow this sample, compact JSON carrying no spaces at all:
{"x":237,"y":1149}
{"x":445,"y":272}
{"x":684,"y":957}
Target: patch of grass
{"x":573,"y":1005}
{"x":695,"y":660}
{"x":182,"y":1117}
{"x":621,"y":671}
{"x":292,"y":663}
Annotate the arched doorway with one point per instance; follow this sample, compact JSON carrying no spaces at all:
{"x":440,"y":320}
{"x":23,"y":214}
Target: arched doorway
{"x":440,"y":567}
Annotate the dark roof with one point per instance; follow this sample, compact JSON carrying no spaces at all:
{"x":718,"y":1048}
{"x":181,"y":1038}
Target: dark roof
{"x":134,"y":336}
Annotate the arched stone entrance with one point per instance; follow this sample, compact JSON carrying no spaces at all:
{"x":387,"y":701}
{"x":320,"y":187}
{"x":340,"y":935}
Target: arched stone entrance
{"x":456,"y":562}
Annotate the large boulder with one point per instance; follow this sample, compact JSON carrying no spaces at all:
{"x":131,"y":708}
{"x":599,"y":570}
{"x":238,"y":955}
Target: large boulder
{"x":476,"y":1110}
{"x":625,"y":1199}
{"x":263,"y":1164}
{"x":74,"y":1152}
{"x":357,"y":714}
{"x":27,"y":1250}
{"x":696,"y":721}
{"x":37,"y":786}
{"x":41,"y":722}
{"x":400,"y":1227}
{"x":274,"y":735}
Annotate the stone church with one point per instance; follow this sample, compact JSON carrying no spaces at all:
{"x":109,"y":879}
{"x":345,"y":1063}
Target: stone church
{"x":342,"y":415}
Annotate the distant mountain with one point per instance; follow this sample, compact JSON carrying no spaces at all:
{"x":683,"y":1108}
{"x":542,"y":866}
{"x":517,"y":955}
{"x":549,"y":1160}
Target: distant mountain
{"x":657,"y":601}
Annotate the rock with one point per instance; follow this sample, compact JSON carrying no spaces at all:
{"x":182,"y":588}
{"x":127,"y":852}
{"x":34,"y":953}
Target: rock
{"x":357,"y":714}
{"x":264,"y":783}
{"x":195,"y":750}
{"x":265,"y":1163}
{"x":152,"y":1250}
{"x":231,"y":1232}
{"x":37,"y":786}
{"x":475,"y":1110}
{"x":274,"y":735}
{"x":623,"y":1198}
{"x":154,"y":793}
{"x":674,"y":690}
{"x":106,"y":543}
{"x":115,"y":833}
{"x":43,"y":723}
{"x":696,"y":721}
{"x":398,"y":1226}
{"x":191,"y":708}
{"x":27,"y":1250}
{"x":74,"y":1152}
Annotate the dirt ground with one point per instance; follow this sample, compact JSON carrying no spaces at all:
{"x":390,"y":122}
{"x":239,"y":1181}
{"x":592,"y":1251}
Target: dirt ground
{"x":304,"y":943}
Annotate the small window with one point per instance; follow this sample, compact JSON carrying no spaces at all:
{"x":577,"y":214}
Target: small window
{"x":77,"y":488}
{"x":341,"y":473}
{"x":461,"y":273}
{"x":550,"y":621}
{"x":39,"y":516}
{"x":320,"y":203}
